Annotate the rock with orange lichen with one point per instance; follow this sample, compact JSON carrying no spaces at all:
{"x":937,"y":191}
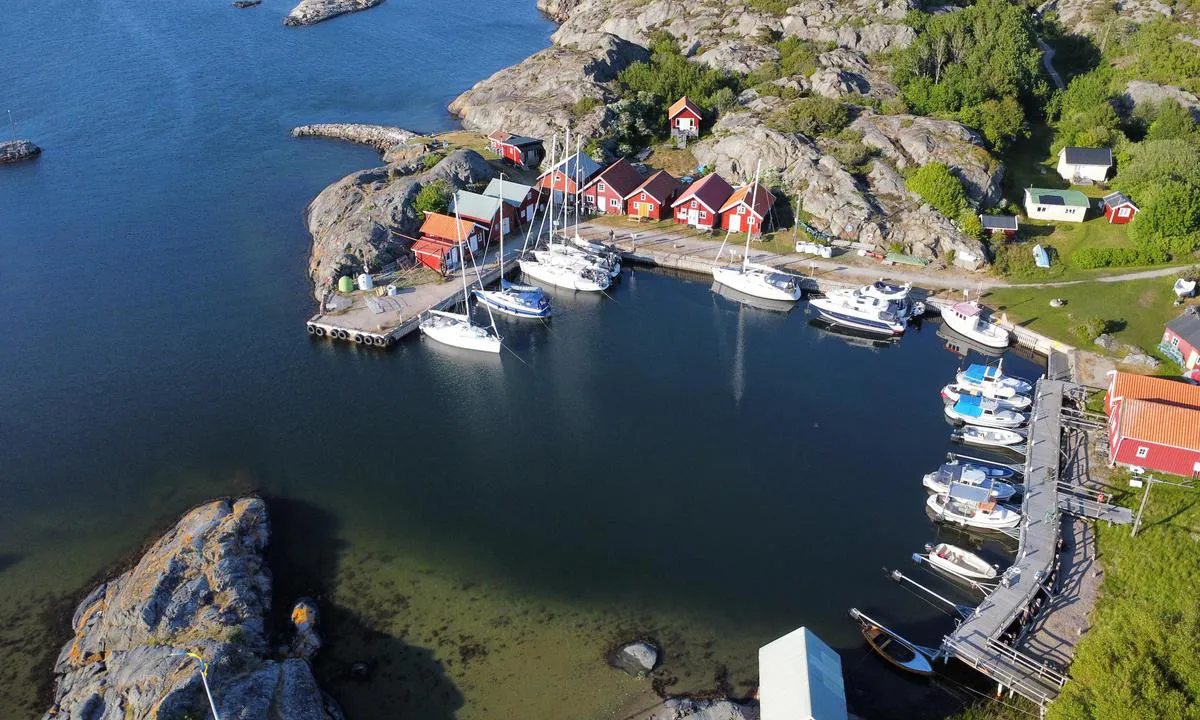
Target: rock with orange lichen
{"x":204,"y":587}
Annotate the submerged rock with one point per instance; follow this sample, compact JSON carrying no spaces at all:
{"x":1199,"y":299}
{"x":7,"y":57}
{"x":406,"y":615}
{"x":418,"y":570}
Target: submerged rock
{"x":360,"y":222}
{"x":689,"y":709}
{"x":12,"y":151}
{"x":203,"y":587}
{"x":311,"y":12}
{"x":635,"y":658}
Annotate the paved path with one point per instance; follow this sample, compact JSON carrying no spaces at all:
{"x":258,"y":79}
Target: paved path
{"x":846,"y":266}
{"x":1047,"y":59}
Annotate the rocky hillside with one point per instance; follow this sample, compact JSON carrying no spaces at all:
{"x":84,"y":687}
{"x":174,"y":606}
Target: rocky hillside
{"x":359,"y":221}
{"x":203,"y":587}
{"x":865,"y":199}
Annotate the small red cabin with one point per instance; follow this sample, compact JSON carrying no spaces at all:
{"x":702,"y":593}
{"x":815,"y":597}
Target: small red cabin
{"x":524,"y":152}
{"x":1153,"y":423}
{"x":700,"y":205}
{"x":1118,"y":208}
{"x":993,"y":225}
{"x":1181,"y":339}
{"x":567,"y":176}
{"x":523,"y":198}
{"x":746,"y":209}
{"x":648,"y":199}
{"x":605,"y":192}
{"x":684,"y":117}
{"x":444,"y":239}
{"x":489,"y":212}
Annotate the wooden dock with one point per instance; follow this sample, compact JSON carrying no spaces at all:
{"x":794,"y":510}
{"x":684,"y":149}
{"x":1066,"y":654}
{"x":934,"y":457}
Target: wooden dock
{"x":367,"y":317}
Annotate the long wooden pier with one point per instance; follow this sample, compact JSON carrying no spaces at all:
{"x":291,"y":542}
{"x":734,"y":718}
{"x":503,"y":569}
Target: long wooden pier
{"x":368,"y":318}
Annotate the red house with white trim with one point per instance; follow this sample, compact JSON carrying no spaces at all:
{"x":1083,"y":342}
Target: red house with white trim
{"x":746,"y":209}
{"x":524,"y":152}
{"x":561,"y":179}
{"x":1181,"y":339}
{"x":700,"y":205}
{"x":444,"y":240}
{"x":648,"y":199}
{"x":1153,"y":423}
{"x":684,"y":117}
{"x":605,"y":192}
{"x":1118,"y":208}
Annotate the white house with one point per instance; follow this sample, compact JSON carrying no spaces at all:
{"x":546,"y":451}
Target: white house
{"x":1084,"y":166}
{"x":800,"y":678}
{"x":1062,"y":205}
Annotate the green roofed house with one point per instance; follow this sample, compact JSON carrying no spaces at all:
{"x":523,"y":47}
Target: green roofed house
{"x":1063,"y":205}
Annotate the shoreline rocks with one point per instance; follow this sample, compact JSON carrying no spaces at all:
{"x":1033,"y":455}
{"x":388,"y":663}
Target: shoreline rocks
{"x":380,"y":137}
{"x":311,"y":12}
{"x":203,"y":587}
{"x":636,"y":658}
{"x":14,"y":151}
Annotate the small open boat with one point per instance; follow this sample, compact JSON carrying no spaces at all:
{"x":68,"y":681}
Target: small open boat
{"x":975,"y":410}
{"x":893,"y":648}
{"x":1184,"y":288}
{"x":972,"y":506}
{"x":989,"y":437}
{"x":998,"y":471}
{"x":940,"y":480}
{"x":960,"y":562}
{"x":954,"y":391}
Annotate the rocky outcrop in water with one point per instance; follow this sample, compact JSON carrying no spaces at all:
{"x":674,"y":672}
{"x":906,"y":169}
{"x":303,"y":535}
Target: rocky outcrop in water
{"x":311,"y":12}
{"x":381,"y":137}
{"x":361,"y":221}
{"x":203,"y":587}
{"x":13,"y":151}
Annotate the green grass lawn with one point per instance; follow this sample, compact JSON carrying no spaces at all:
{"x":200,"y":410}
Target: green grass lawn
{"x":1062,"y":240}
{"x":1137,"y":309}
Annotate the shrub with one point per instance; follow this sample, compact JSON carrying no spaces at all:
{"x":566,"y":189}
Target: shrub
{"x":940,"y":188}
{"x":970,"y":224}
{"x":1090,"y":328}
{"x":1013,"y":259}
{"x":1091,"y":258}
{"x":584,"y":105}
{"x":814,"y":115}
{"x":1170,"y":221}
{"x":434,"y":197}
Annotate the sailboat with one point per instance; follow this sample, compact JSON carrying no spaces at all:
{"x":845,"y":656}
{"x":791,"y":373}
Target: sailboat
{"x":762,"y":281}
{"x":524,"y":301}
{"x":456,"y":329}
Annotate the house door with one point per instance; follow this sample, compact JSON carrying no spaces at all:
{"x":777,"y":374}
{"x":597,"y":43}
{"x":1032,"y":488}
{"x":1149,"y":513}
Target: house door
{"x":735,"y":223}
{"x":507,"y":225}
{"x":693,"y":216}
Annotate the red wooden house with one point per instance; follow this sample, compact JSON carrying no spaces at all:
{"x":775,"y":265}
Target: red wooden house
{"x":444,"y":240}
{"x":747,"y":209}
{"x":489,"y":212}
{"x":524,"y":152}
{"x":1153,"y":423}
{"x":1181,"y":339}
{"x":605,"y":192}
{"x":684,"y":117}
{"x":648,"y":199}
{"x":994,"y":225}
{"x":1118,"y":208}
{"x":700,"y":205}
{"x":523,"y":198}
{"x":567,"y":176}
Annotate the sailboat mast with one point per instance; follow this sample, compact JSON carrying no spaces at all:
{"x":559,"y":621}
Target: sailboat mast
{"x":578,"y":180}
{"x":503,"y":203}
{"x":462,"y":257}
{"x":749,"y":227}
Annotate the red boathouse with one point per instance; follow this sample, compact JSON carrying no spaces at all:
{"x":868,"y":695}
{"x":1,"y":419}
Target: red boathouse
{"x":700,"y":205}
{"x":648,"y":199}
{"x":746,"y":209}
{"x":1153,"y":423}
{"x":605,"y":192}
{"x":524,"y":152}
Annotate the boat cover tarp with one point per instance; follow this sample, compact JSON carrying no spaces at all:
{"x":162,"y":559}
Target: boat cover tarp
{"x":800,"y":678}
{"x":977,"y":373}
{"x":968,"y":405}
{"x":970,"y":493}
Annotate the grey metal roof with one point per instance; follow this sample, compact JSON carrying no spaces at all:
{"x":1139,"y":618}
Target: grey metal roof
{"x":580,"y":164}
{"x":514,"y":193}
{"x":1187,"y":325}
{"x":475,"y":206}
{"x":521,"y":141}
{"x":998,"y":222}
{"x":1101,"y":157}
{"x":1117,"y":198}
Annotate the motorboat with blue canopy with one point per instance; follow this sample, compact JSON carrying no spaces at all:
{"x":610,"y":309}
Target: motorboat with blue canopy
{"x":975,"y":410}
{"x":991,"y":378}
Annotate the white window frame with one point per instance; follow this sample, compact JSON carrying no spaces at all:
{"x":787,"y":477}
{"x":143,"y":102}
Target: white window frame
{"x":613,"y":202}
{"x":1142,"y":452}
{"x":600,"y":187}
{"x":1175,"y":341}
{"x":703,"y":215}
{"x":1123,"y":212}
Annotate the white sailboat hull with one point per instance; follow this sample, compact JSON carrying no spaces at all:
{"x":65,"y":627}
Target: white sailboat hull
{"x":757,"y":283}
{"x":563,"y":277}
{"x":510,"y":304}
{"x":575,"y":258}
{"x":457,"y":331}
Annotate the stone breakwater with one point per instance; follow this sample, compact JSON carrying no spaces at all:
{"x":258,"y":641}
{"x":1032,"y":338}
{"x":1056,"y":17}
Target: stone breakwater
{"x":202,"y":587}
{"x":12,"y":151}
{"x":380,"y":137}
{"x":311,"y":12}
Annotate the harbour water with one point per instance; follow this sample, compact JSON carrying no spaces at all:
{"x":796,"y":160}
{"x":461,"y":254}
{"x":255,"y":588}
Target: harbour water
{"x":479,"y":530}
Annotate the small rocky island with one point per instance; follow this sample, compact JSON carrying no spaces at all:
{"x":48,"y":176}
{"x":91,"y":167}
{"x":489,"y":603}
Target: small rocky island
{"x":311,"y":12}
{"x":204,"y":587}
{"x":13,"y":151}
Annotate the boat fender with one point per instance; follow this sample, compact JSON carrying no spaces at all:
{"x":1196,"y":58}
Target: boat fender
{"x":344,"y":334}
{"x":311,"y":329}
{"x":358,"y":339}
{"x":319,"y":331}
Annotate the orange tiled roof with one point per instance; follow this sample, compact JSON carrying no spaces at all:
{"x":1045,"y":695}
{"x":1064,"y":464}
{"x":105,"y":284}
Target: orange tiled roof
{"x":679,"y":106}
{"x":443,"y":226}
{"x":762,"y":201}
{"x":1132,"y":386}
{"x":1159,"y":422}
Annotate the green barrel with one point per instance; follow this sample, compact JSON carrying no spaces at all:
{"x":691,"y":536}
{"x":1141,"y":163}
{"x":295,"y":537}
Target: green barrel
{"x":345,"y":284}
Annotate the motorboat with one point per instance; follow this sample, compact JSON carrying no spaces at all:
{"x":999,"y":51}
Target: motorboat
{"x":966,"y":318}
{"x":989,"y":437}
{"x":960,"y":345}
{"x":960,"y":562}
{"x":975,"y":410}
{"x":762,"y":281}
{"x":972,"y":506}
{"x":523,"y":301}
{"x":954,"y":391}
{"x":457,"y":330}
{"x":899,"y":294}
{"x":853,"y":336}
{"x":894,"y":648}
{"x":565,"y":276}
{"x":860,"y":312}
{"x":997,"y":470}
{"x":939,"y":481}
{"x":992,"y":381}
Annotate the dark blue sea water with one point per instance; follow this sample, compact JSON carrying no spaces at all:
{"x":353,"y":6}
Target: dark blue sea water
{"x":661,"y":462}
